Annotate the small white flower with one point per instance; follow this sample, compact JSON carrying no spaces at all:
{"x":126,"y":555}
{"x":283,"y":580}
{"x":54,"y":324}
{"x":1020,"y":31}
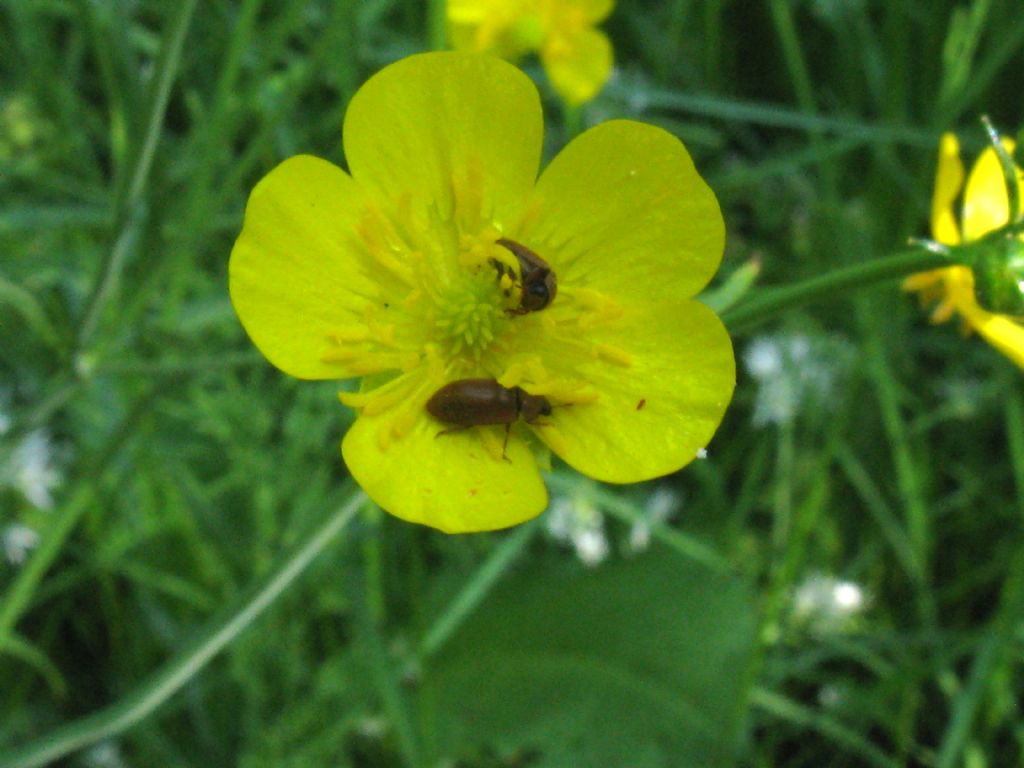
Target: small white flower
{"x":18,"y":541}
{"x":372,"y":727}
{"x":591,"y":546}
{"x":580,"y":524}
{"x":661,"y":505}
{"x":763,"y":358}
{"x":106,"y":754}
{"x":827,"y":605}
{"x":847,"y":596}
{"x":31,"y":471}
{"x":830,"y":696}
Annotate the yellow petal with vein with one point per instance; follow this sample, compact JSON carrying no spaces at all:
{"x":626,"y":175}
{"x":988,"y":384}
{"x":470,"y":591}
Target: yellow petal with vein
{"x":456,"y":482}
{"x":294,"y":272}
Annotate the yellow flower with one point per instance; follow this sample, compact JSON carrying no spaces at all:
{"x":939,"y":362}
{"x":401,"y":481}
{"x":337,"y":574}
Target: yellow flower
{"x":576,"y":56}
{"x":388,"y":273}
{"x":985,"y":208}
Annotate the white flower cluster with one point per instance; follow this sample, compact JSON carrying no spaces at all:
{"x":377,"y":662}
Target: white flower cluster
{"x":794,"y":370}
{"x":827,"y":605}
{"x":106,"y":754}
{"x":661,"y":505}
{"x":577,"y":522}
{"x":30,"y":471}
{"x":580,"y":524}
{"x":18,"y":540}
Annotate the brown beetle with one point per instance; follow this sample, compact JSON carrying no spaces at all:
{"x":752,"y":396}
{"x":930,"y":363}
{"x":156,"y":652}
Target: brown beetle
{"x":479,"y":402}
{"x":538,"y":281}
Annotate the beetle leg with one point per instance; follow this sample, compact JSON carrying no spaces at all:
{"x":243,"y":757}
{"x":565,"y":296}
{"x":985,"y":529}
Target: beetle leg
{"x":508,"y":428}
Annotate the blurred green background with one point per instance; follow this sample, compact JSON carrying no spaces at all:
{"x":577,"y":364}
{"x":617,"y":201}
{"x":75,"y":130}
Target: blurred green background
{"x":840,"y":582}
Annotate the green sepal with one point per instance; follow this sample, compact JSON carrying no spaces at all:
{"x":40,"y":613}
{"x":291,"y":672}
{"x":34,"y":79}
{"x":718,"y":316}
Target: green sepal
{"x":998,"y":267}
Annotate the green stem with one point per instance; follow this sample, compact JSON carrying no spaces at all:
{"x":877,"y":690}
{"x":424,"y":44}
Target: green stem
{"x":189,"y":662}
{"x":131,"y":210}
{"x":765,"y":303}
{"x":437,"y":25}
{"x":573,"y":121}
{"x":382,"y":668}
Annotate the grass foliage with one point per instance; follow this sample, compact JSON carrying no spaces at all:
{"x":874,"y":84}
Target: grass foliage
{"x":842,"y":583}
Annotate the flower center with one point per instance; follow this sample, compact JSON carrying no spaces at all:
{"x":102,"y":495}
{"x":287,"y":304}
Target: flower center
{"x":470,"y":311}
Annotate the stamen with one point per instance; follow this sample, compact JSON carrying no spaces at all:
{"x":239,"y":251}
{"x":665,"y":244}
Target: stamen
{"x":362,"y":362}
{"x":348,"y":334}
{"x":385,"y":246}
{"x":492,"y":443}
{"x":613,"y":354}
{"x":594,"y":308}
{"x":378,"y":400}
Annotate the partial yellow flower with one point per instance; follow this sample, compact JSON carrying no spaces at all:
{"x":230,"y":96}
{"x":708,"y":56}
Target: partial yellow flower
{"x":985,"y":208}
{"x":389,"y":273}
{"x":576,"y":56}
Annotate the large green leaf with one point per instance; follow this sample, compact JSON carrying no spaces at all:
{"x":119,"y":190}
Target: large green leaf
{"x":640,"y":662}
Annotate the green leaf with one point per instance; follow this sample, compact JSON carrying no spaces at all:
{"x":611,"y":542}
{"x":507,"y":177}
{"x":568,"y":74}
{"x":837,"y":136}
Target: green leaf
{"x":642,"y":662}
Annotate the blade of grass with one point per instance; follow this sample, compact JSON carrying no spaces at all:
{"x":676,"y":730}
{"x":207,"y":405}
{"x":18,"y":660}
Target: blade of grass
{"x":793,"y":712}
{"x":772,"y":115}
{"x":167,"y":680}
{"x":371,"y":619}
{"x":25,"y":304}
{"x":18,"y":596}
{"x":876,"y":505}
{"x":993,"y":64}
{"x":130,"y":211}
{"x":1000,"y":637}
{"x":918,"y":524}
{"x":22,"y":650}
{"x":477,"y":587}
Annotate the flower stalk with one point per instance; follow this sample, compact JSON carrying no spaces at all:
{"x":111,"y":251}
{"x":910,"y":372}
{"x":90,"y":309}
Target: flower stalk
{"x":765,"y":303}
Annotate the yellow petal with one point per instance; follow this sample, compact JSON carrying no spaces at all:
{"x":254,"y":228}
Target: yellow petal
{"x":294,"y":276}
{"x":660,"y":399}
{"x":923,"y":281}
{"x":446,"y":136}
{"x":623,"y":210}
{"x":485,"y":25}
{"x":455,"y":482}
{"x":577,"y":63}
{"x":466,"y":11}
{"x":594,"y":11}
{"x":948,"y":180}
{"x":986,"y":205}
{"x":1001,"y":332}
